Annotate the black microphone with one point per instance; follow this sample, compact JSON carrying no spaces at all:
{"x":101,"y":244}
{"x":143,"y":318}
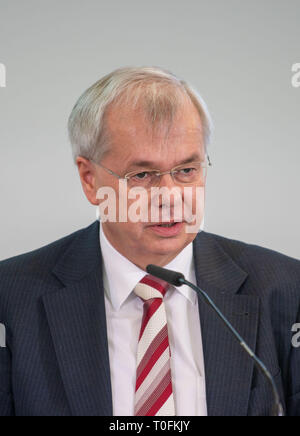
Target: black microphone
{"x":178,"y":279}
{"x":172,"y":277}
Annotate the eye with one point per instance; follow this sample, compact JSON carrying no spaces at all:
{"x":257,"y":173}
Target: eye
{"x":141,"y":176}
{"x":187,"y":171}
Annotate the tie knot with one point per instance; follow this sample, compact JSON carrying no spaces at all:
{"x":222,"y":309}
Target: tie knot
{"x":151,"y":287}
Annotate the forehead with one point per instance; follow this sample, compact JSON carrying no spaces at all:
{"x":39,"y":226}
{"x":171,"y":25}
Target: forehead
{"x":134,"y":139}
{"x":130,"y":124}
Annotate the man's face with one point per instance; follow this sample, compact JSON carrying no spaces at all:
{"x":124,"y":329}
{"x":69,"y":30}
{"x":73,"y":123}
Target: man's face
{"x":135,"y":146}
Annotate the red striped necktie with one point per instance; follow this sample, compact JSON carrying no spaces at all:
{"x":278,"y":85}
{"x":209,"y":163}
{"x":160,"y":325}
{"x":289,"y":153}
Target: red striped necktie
{"x":153,"y":392}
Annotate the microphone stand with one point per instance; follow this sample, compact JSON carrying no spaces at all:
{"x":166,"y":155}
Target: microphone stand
{"x":178,"y":279}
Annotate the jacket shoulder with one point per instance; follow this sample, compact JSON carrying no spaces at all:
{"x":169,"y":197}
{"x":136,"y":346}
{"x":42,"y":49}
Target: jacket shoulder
{"x":259,"y":261}
{"x":37,"y":263}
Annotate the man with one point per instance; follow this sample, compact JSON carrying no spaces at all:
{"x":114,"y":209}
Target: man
{"x":89,"y":332}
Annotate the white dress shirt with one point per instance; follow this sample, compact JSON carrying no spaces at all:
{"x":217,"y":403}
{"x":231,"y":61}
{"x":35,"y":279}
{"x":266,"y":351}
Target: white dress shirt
{"x":124,"y":312}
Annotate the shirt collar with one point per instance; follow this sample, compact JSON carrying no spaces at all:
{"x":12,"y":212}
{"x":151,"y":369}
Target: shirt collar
{"x":120,"y":276}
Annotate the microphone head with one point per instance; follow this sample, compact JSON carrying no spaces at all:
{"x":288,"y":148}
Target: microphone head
{"x":172,"y":277}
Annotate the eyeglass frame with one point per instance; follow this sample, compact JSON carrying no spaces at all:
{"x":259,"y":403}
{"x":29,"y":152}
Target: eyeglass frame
{"x":158,"y":173}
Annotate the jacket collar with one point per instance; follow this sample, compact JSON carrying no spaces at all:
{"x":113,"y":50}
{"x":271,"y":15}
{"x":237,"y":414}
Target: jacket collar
{"x":213,"y":265}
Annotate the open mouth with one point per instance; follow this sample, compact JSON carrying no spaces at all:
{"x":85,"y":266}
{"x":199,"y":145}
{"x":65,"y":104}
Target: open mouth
{"x":168,"y":229}
{"x":167,"y":225}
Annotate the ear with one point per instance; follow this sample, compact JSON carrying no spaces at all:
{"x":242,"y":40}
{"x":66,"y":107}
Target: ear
{"x":88,"y":177}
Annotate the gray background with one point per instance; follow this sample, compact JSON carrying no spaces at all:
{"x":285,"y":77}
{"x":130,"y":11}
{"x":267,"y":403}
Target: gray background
{"x":237,"y":53}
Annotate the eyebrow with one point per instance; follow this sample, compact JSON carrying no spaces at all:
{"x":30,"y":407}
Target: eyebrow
{"x":150,"y":164}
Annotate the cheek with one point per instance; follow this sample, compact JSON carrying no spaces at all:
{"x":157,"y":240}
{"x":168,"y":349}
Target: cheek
{"x":129,"y":235}
{"x":102,"y":179}
{"x":133,"y":206}
{"x":194,"y":200}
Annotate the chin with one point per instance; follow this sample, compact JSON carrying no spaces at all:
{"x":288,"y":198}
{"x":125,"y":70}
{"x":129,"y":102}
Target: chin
{"x":168,"y":245}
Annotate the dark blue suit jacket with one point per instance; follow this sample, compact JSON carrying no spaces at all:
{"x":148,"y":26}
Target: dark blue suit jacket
{"x":56,"y":361}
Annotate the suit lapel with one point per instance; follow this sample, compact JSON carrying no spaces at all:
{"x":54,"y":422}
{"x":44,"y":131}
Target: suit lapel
{"x":76,"y":316}
{"x":228,"y":370}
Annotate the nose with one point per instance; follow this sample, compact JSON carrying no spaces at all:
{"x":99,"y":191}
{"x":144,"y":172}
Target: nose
{"x":174,"y":199}
{"x":167,"y":181}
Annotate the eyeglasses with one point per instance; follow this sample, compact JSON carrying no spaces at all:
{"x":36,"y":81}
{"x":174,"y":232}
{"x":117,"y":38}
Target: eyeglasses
{"x":188,"y":174}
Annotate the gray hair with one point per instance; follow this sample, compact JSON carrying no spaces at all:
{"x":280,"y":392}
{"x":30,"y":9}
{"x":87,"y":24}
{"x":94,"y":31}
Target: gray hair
{"x":158,"y":90}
